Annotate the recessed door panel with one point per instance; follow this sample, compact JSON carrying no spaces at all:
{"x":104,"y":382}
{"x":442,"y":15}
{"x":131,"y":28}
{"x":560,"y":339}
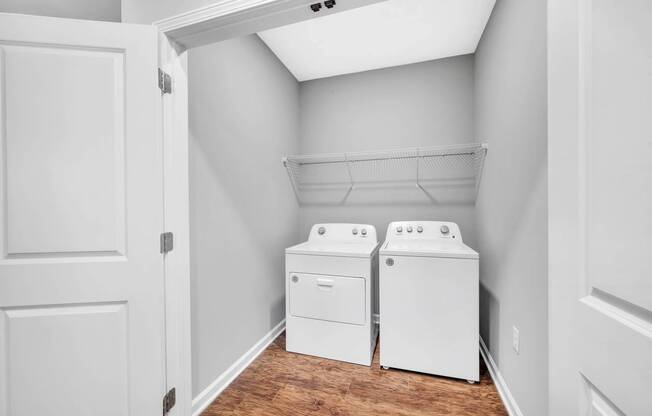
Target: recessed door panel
{"x":619,"y":149}
{"x":77,"y":345}
{"x":597,"y":404}
{"x":64,"y":174}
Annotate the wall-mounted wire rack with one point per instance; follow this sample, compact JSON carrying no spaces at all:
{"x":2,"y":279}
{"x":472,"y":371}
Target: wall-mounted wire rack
{"x":440,"y":173}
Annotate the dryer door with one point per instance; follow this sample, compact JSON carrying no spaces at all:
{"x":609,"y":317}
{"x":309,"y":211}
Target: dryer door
{"x":328,"y":298}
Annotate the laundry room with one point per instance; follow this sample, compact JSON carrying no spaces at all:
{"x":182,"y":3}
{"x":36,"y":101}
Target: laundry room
{"x":318,"y":124}
{"x":325,"y":207}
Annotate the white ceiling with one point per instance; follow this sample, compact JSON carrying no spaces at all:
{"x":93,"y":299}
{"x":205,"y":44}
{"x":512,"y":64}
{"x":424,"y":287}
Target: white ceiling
{"x":385,"y":34}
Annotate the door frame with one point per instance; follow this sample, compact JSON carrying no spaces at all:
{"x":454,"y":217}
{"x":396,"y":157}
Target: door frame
{"x":566,"y":198}
{"x":224,"y":19}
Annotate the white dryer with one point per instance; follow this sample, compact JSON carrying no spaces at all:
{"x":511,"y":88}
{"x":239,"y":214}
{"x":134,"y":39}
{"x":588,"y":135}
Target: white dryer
{"x":329,"y":296}
{"x":429,"y":295}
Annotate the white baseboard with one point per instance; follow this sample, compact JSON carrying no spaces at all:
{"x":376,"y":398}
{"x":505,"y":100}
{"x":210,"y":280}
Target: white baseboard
{"x":499,"y":381}
{"x":210,"y":393}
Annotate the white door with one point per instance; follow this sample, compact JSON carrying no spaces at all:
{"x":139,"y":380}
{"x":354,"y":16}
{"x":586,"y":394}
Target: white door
{"x":81,"y":276}
{"x":600,"y":190}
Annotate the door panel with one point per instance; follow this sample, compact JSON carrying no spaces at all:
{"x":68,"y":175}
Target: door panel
{"x":81,"y":276}
{"x":600,"y":147}
{"x":86,"y":343}
{"x":614,"y":313}
{"x":619,"y":147}
{"x":74,"y":202}
{"x":597,"y":404}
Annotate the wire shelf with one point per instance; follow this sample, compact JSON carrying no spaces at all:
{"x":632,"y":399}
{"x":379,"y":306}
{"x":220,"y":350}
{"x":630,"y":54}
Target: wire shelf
{"x":441,"y":173}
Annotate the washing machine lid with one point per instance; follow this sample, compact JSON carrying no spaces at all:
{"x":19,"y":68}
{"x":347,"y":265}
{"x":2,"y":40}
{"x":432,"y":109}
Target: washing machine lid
{"x":428,"y":248}
{"x":339,"y":249}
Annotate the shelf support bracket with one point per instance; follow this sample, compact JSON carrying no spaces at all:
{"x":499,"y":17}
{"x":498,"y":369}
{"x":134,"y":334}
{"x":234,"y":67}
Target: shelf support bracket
{"x":295,"y":187}
{"x":418,"y":182}
{"x":482,"y":152}
{"x":351,"y":183}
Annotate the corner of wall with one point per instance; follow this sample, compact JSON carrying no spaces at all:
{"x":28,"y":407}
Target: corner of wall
{"x":510,"y":108}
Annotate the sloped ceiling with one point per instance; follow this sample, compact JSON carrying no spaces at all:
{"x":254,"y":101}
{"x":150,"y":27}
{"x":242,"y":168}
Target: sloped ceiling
{"x":385,"y":34}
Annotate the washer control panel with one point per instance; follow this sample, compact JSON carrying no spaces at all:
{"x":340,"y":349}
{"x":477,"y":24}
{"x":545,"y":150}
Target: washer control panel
{"x":343,"y":232}
{"x":423,"y":230}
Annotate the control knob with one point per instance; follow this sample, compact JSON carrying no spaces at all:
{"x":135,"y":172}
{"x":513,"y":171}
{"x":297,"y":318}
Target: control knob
{"x":444,"y":229}
{"x":419,"y":229}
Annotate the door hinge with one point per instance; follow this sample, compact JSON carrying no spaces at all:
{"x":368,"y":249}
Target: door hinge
{"x":167,"y":242}
{"x":164,"y":82}
{"x":169,"y":400}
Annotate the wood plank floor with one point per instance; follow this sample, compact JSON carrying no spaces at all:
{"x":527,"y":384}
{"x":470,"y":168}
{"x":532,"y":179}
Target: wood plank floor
{"x":280,"y":383}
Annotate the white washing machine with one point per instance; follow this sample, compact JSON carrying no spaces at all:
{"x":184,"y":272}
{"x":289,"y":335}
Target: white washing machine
{"x":429,"y":295}
{"x":329,"y":293}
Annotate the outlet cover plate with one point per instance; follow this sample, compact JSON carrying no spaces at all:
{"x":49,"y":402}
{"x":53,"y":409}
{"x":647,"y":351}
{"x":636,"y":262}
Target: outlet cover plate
{"x":515,"y":339}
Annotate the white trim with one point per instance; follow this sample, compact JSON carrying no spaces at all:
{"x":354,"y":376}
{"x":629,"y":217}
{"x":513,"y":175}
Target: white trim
{"x":227,"y":19}
{"x":210,"y":393}
{"x":222,"y":20}
{"x":177,"y":220}
{"x":499,"y":381}
{"x":210,"y":12}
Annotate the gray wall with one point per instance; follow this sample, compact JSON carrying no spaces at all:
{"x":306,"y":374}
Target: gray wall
{"x":244,"y":108}
{"x":423,"y":104}
{"x":511,"y":114}
{"x":108,"y":10}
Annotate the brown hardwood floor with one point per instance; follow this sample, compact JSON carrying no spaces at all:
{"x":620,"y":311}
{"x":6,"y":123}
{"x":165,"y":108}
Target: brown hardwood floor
{"x":279,"y":383}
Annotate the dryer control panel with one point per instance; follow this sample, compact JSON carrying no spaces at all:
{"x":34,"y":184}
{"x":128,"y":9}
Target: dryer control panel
{"x":424,"y":230}
{"x":342,"y":232}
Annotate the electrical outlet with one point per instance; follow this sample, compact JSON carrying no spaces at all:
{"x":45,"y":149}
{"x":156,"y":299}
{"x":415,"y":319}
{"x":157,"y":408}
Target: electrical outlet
{"x":515,"y":339}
